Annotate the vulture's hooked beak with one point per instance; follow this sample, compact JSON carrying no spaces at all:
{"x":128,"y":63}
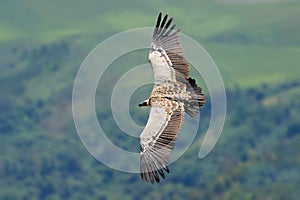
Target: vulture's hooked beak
{"x":145,"y":103}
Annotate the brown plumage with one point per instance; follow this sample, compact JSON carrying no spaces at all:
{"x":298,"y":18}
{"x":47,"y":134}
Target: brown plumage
{"x":174,"y":92}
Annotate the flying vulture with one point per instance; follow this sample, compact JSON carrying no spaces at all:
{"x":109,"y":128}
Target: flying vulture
{"x":174,"y":93}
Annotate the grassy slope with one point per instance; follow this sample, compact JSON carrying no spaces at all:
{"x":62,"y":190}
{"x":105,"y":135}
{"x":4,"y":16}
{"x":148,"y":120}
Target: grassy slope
{"x":251,"y":43}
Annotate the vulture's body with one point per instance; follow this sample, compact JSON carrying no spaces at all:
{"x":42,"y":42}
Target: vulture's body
{"x":174,"y":93}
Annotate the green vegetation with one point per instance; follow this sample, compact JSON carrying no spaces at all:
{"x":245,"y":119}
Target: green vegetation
{"x":256,"y":47}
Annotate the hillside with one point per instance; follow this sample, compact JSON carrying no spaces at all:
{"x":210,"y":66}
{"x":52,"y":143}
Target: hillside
{"x":245,"y":40}
{"x":256,"y":47}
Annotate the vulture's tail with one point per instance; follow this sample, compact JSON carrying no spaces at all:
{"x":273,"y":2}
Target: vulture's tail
{"x":197,"y":99}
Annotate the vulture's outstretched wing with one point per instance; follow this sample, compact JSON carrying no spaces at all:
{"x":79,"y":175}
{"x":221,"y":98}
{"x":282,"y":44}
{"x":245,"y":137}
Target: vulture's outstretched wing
{"x":158,"y":138}
{"x":166,"y":40}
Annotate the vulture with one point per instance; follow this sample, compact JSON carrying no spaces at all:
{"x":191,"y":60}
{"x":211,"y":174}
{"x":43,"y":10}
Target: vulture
{"x":174,"y":93}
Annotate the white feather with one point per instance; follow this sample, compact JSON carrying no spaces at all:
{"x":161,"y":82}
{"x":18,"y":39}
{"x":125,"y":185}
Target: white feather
{"x":161,"y":66}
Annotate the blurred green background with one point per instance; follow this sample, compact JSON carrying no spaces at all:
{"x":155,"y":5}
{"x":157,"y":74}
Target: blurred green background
{"x":255,"y":44}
